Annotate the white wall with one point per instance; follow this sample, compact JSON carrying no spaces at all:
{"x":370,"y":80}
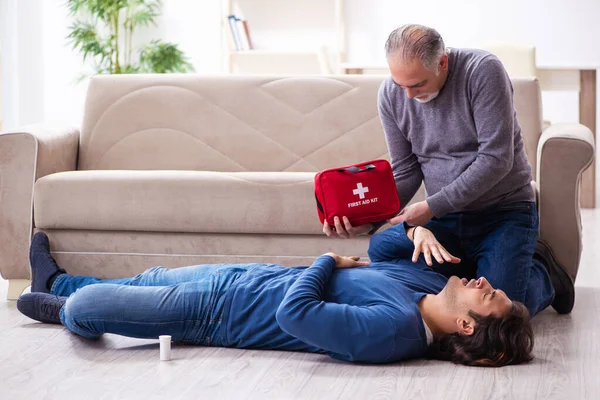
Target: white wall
{"x":63,"y":94}
{"x":195,"y":25}
{"x":22,"y":65}
{"x":308,"y":24}
{"x":564,"y":32}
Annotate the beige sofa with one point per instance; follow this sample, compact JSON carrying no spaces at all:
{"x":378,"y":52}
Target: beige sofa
{"x":178,"y":170}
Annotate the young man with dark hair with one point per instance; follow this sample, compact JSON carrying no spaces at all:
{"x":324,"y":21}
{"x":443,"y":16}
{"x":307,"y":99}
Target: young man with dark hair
{"x":389,"y":310}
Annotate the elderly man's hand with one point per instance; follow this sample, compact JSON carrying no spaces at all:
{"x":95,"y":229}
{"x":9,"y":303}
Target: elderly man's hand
{"x":417,"y":214}
{"x":345,"y":231}
{"x":426,"y":243}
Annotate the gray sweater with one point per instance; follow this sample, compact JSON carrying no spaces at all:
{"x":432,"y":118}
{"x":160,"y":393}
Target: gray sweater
{"x":466,"y":144}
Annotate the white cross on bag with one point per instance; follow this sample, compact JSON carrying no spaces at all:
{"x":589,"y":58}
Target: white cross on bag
{"x":360,"y":190}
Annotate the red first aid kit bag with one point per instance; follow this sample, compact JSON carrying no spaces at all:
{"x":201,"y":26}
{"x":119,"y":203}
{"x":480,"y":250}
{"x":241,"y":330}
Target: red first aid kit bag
{"x":364,"y":192}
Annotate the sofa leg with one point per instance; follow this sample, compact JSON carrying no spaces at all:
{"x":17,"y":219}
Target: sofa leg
{"x":16,"y":287}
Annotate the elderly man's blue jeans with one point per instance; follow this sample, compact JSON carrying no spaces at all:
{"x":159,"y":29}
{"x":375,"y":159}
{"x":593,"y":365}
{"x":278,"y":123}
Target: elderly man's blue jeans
{"x":497,"y":243}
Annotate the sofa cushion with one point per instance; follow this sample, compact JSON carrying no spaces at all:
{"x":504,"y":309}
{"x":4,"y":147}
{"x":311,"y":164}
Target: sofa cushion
{"x":178,"y":201}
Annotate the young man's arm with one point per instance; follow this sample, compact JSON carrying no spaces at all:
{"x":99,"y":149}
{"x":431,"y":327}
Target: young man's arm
{"x":349,"y":333}
{"x":399,"y":242}
{"x":391,"y":244}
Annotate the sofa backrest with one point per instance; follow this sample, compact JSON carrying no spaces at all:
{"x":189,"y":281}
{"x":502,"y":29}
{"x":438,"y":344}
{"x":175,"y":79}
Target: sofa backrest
{"x":230,"y":123}
{"x":245,"y":123}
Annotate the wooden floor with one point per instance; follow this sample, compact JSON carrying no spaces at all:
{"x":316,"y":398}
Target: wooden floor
{"x":46,"y":362}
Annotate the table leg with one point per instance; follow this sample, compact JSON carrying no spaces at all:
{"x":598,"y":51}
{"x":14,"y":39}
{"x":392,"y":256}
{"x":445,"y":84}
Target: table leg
{"x":587,"y":117}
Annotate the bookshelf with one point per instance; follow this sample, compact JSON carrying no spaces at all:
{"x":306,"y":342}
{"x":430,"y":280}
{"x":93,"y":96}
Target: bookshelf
{"x":288,"y":36}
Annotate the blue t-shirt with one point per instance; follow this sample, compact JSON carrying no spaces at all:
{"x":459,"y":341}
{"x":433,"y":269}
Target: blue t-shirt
{"x":367,"y":314}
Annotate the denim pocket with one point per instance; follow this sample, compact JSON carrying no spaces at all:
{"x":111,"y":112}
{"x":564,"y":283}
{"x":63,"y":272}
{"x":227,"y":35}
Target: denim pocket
{"x":521,"y":213}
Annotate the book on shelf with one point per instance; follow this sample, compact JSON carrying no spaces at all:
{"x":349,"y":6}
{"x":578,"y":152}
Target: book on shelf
{"x":247,"y":35}
{"x":240,"y":33}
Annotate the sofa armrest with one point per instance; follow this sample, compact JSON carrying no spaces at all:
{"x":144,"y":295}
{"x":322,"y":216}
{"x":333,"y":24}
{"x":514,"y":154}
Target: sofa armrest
{"x":26,"y":155}
{"x":564,"y":152}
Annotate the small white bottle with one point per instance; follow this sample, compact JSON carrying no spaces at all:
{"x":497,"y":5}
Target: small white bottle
{"x":165,"y":347}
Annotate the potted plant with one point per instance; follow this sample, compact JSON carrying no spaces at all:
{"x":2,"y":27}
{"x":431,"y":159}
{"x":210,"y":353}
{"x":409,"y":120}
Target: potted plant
{"x":103,"y":30}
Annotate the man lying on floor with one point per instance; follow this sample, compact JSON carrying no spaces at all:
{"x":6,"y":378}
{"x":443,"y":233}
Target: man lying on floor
{"x":390,"y":310}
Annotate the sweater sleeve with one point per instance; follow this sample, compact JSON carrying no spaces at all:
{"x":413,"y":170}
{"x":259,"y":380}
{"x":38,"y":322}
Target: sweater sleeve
{"x":349,"y":333}
{"x":406,"y":167}
{"x":391,"y":244}
{"x":491,"y":98}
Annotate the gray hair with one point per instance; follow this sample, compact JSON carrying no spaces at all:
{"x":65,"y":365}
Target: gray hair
{"x":416,"y":42}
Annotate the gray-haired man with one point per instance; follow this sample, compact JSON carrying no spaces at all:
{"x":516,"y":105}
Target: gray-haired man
{"x":449,"y":121}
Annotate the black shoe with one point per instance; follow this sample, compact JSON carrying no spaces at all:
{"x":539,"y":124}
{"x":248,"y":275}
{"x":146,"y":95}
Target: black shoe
{"x":564,"y":288}
{"x":44,"y":269}
{"x":42,"y":307}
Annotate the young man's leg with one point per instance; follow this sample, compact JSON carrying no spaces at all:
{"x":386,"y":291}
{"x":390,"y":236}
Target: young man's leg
{"x":49,"y":278}
{"x":190,"y":312}
{"x":65,"y":284}
{"x":502,"y":242}
{"x":44,"y":268}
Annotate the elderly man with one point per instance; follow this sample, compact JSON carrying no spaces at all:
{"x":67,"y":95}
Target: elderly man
{"x":449,"y":121}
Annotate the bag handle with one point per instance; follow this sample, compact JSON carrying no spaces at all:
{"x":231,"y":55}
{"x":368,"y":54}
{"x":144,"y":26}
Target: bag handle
{"x":319,"y":206}
{"x":355,"y":170}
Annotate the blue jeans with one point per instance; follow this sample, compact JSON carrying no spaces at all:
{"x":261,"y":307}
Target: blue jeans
{"x":497,"y":243}
{"x":186,"y":303}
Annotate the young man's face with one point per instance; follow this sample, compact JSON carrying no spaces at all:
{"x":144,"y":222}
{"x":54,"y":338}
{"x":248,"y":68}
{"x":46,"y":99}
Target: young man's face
{"x":418,"y":82}
{"x":478,"y":295}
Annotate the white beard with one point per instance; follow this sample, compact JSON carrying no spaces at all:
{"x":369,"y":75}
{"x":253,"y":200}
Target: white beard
{"x":430,"y":96}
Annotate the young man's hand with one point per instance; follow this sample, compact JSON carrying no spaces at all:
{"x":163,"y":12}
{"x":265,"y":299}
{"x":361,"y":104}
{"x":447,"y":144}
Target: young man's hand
{"x":347,"y":262}
{"x":426,"y":243}
{"x":346,"y":230}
